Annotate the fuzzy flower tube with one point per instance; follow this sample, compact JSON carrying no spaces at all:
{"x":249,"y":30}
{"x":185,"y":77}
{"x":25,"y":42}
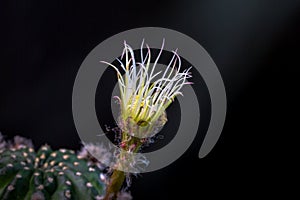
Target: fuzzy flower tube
{"x":144,"y":97}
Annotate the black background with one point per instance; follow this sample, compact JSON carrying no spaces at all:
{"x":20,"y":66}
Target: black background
{"x":254,"y":44}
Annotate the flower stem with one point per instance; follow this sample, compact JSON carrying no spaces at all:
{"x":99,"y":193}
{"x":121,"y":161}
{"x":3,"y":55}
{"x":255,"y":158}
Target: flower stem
{"x":116,"y":182}
{"x":118,"y":177}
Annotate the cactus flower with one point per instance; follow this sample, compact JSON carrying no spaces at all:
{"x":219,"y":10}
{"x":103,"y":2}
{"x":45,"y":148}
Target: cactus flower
{"x":144,"y":93}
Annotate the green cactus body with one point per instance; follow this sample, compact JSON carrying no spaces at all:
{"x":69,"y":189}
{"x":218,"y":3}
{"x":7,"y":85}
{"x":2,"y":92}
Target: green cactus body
{"x":47,"y":174}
